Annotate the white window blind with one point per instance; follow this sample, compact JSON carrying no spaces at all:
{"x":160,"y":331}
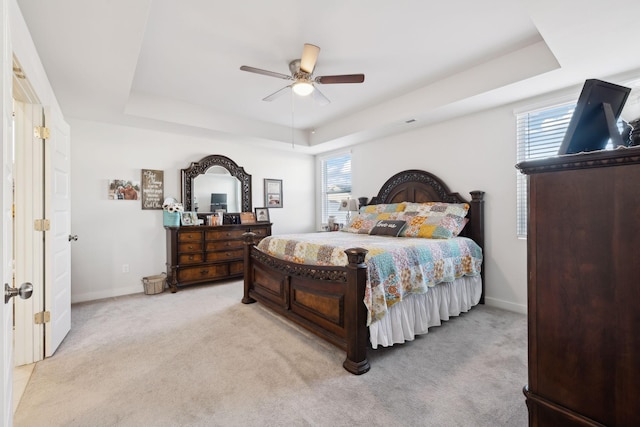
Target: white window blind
{"x":336,"y":185}
{"x":539,"y":135}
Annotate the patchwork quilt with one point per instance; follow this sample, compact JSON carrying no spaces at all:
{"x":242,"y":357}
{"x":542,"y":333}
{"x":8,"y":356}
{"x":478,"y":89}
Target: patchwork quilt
{"x":397,"y":266}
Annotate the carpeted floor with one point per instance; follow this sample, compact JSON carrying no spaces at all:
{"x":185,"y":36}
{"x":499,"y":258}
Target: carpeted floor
{"x":201,"y":358}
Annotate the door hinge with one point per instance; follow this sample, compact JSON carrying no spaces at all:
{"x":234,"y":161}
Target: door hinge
{"x":42,"y":317}
{"x":41,"y":225}
{"x":41,"y":132}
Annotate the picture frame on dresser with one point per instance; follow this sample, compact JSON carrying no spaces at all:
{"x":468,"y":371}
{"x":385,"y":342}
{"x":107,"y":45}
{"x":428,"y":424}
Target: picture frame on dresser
{"x":247,"y":218}
{"x":262,"y":214}
{"x":188,"y":218}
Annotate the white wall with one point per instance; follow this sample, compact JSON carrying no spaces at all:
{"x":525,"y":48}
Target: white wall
{"x":476,"y":152}
{"x":114,"y":233}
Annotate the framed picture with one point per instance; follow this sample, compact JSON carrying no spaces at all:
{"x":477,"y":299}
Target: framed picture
{"x":152,"y":189}
{"x":247,"y":218}
{"x":273,"y":193}
{"x":122,"y":189}
{"x":189,"y":218}
{"x":262,"y":214}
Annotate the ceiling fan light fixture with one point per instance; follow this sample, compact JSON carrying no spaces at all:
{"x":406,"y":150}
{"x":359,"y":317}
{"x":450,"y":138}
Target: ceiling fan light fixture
{"x":302,"y":88}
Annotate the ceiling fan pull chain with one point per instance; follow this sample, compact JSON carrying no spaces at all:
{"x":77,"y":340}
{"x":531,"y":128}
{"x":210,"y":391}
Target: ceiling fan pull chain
{"x":292,"y":121}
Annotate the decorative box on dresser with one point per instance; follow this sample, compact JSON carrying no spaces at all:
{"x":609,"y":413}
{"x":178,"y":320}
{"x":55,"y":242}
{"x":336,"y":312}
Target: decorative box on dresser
{"x":584,"y":289}
{"x":199,"y":254}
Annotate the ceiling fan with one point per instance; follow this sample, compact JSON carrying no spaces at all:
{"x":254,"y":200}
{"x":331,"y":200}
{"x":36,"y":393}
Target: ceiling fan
{"x":302,"y":76}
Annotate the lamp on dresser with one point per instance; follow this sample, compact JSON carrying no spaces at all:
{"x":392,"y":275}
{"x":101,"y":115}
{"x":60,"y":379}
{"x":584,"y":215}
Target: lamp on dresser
{"x":348,"y":205}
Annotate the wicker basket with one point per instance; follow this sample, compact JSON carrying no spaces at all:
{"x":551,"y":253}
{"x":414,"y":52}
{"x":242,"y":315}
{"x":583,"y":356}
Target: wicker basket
{"x":154,"y":284}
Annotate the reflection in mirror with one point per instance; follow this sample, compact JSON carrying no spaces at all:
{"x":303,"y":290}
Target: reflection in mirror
{"x":212,"y":183}
{"x":216,"y":190}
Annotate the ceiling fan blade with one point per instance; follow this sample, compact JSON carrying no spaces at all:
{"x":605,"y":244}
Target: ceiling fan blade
{"x":309,"y":57}
{"x":265,"y":72}
{"x":276,"y":94}
{"x":319,"y":97}
{"x":343,"y":78}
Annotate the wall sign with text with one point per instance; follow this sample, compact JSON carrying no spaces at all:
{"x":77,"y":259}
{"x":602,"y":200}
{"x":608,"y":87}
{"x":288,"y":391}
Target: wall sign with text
{"x":152,"y":189}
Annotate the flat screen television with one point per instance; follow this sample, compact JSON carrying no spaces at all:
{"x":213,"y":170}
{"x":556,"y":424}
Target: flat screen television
{"x":594,"y":119}
{"x":218,"y":201}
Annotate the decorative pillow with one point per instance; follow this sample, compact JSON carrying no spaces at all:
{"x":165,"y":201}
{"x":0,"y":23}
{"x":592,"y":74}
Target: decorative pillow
{"x":363,"y":223}
{"x":383,"y":207}
{"x":431,"y":227}
{"x":438,"y":209}
{"x":459,"y":230}
{"x":387,"y":227}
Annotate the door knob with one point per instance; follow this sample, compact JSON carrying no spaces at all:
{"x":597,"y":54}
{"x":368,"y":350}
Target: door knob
{"x":73,"y":237}
{"x":25,"y":290}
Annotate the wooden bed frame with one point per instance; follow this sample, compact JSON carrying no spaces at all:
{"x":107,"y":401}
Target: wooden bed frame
{"x":328,"y":301}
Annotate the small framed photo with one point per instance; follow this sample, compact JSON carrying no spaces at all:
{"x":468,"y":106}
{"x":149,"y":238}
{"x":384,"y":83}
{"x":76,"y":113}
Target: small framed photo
{"x":273,"y":193}
{"x":247,"y":218}
{"x":262,"y":214}
{"x":189,"y":218}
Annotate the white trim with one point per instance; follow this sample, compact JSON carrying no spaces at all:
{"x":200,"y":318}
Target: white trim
{"x":505,"y":305}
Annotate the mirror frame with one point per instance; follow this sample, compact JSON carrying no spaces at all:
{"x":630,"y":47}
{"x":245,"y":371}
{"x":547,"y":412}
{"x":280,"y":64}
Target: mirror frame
{"x":201,"y":167}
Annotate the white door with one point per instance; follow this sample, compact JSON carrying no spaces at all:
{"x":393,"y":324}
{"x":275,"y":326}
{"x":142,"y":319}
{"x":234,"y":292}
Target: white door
{"x":28,"y":242}
{"x":58,"y":240}
{"x":6,"y":256}
{"x":42,"y":256}
{"x":6,"y":310}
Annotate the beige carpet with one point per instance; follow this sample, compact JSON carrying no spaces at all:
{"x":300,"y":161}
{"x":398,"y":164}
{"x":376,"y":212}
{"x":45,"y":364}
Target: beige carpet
{"x":201,"y":358}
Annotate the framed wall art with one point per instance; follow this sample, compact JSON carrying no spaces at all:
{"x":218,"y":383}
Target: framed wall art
{"x":273,"y":193}
{"x":152,"y":190}
{"x":122,"y":189}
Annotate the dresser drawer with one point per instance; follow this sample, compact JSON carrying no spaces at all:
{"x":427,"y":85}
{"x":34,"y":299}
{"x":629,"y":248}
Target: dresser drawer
{"x":224,"y":245}
{"x":189,"y":247}
{"x":190,"y":236}
{"x":204,"y":272}
{"x":190,"y":258}
{"x":224,"y":234}
{"x":224,"y":255}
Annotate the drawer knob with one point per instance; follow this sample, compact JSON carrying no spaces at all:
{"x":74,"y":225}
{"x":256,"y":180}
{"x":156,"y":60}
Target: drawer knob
{"x":203,"y":272}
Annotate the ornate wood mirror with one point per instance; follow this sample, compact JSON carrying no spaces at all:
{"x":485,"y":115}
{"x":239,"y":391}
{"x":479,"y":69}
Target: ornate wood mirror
{"x":216,"y":183}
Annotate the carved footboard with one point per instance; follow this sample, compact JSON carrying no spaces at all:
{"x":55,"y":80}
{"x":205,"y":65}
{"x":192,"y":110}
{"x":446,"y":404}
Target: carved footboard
{"x":328,"y":301}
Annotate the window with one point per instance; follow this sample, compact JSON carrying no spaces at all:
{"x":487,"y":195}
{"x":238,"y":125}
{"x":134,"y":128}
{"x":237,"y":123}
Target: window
{"x":336,"y":185}
{"x":539,"y":135}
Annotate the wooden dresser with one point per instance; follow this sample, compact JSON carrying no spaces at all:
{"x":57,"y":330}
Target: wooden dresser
{"x":584,"y":289}
{"x":201,"y":254}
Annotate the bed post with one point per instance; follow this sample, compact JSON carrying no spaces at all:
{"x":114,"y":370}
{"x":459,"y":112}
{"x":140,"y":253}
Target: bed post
{"x":249,"y":242}
{"x":477,"y":227}
{"x":356,"y":320}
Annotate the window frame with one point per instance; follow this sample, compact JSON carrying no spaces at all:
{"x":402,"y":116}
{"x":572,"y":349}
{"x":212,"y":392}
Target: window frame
{"x":325,"y":197}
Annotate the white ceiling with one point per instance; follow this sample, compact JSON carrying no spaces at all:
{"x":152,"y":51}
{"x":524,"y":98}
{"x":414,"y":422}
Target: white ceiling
{"x":175,"y":64}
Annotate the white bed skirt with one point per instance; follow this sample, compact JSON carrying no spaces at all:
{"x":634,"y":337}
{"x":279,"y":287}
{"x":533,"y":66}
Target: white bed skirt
{"x":417,"y":313}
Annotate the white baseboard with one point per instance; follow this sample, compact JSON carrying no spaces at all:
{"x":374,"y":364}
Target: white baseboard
{"x":109,"y":293}
{"x":506,"y":305}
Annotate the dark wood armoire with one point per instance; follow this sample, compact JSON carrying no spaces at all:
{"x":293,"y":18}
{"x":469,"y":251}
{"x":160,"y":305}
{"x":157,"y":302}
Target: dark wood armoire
{"x":584,"y":289}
